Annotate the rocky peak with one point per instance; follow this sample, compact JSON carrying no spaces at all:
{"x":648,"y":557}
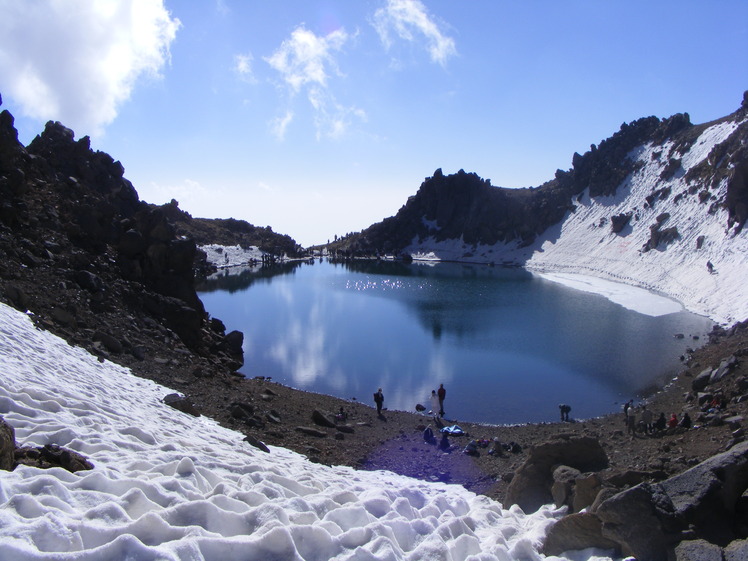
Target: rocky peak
{"x":92,"y":262}
{"x":464,"y":206}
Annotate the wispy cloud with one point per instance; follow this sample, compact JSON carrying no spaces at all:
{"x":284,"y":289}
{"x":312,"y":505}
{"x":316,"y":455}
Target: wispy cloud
{"x":305,"y":58}
{"x":279,"y":126}
{"x":78,"y":61}
{"x":305,"y":63}
{"x":243,"y":67}
{"x":409,"y":21}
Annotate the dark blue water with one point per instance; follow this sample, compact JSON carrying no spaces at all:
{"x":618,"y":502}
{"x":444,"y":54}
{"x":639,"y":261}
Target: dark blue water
{"x":507,"y":345}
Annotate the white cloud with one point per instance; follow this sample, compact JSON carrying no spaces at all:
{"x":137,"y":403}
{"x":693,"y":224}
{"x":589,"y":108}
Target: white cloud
{"x":305,"y":62}
{"x":410,"y":21}
{"x":243,"y":67}
{"x":77,"y":61}
{"x":304,"y":58}
{"x":278,"y":126}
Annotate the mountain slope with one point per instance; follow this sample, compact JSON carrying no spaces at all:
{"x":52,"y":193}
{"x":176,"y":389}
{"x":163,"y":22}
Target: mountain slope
{"x":651,"y":206}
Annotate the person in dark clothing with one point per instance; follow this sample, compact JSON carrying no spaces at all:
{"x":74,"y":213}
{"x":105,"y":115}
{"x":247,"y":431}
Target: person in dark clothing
{"x":565,"y":409}
{"x":442,"y":393}
{"x":379,"y":400}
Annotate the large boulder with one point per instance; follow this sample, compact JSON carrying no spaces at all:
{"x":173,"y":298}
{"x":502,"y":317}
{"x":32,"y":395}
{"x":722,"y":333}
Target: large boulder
{"x":531,"y":486}
{"x":648,"y":520}
{"x":574,"y":532}
{"x":181,"y":403}
{"x":323,"y":418}
{"x":697,"y":550}
{"x":642,"y":521}
{"x":737,"y":551}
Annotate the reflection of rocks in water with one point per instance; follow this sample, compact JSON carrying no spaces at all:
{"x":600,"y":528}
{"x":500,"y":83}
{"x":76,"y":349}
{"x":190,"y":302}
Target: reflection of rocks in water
{"x":239,"y":278}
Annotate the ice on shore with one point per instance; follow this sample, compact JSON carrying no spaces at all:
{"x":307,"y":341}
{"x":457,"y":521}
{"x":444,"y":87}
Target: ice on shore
{"x":630,"y":297}
{"x":168,"y":486}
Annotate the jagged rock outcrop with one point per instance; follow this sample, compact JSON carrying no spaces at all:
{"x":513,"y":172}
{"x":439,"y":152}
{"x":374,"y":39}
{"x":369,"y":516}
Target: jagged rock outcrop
{"x":70,"y":219}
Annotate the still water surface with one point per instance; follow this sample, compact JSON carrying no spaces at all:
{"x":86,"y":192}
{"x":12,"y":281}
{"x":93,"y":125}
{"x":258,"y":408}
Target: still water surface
{"x":507,"y":345}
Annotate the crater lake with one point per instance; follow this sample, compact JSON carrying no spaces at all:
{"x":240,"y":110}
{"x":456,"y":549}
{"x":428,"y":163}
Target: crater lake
{"x":508,"y":345}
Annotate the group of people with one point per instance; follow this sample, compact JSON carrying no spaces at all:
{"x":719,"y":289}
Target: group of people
{"x":437,"y":401}
{"x":647,"y":423}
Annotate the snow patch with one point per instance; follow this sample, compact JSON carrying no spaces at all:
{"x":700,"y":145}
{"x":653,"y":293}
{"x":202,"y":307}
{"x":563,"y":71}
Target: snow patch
{"x":222,"y":256}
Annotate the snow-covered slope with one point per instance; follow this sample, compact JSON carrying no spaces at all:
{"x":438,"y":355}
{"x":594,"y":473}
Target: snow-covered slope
{"x":584,"y":243}
{"x":168,"y":486}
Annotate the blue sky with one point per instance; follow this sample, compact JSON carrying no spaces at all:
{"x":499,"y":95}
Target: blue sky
{"x":320,"y":118}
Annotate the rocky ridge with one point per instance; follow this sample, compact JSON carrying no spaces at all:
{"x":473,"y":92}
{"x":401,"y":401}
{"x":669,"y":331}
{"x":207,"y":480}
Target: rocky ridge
{"x":466,"y":207}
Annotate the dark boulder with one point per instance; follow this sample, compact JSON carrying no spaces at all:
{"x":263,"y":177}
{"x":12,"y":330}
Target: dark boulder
{"x":181,"y":403}
{"x":701,"y":381}
{"x":7,"y":445}
{"x":112,"y":344}
{"x":52,"y":455}
{"x":256,"y":443}
{"x":88,"y":281}
{"x":697,"y":550}
{"x":242,"y":411}
{"x":323,"y":419}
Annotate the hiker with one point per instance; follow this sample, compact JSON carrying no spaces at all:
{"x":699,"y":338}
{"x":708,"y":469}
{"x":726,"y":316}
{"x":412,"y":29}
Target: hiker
{"x":626,"y":406}
{"x":434,"y":403}
{"x":471,"y":449}
{"x":660,"y":423}
{"x":496,"y":449}
{"x":564,"y":411}
{"x":647,"y":419}
{"x":685,"y":422}
{"x":673,"y":422}
{"x":631,"y":420}
{"x":442,"y":393}
{"x":428,"y":436}
{"x":379,"y":400}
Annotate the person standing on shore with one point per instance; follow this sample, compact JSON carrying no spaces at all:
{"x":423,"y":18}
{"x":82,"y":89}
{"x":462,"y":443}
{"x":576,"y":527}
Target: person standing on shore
{"x":434,"y":403}
{"x":442,"y":393}
{"x":379,"y":400}
{"x":631,"y":420}
{"x":647,"y":419}
{"x":626,"y":406}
